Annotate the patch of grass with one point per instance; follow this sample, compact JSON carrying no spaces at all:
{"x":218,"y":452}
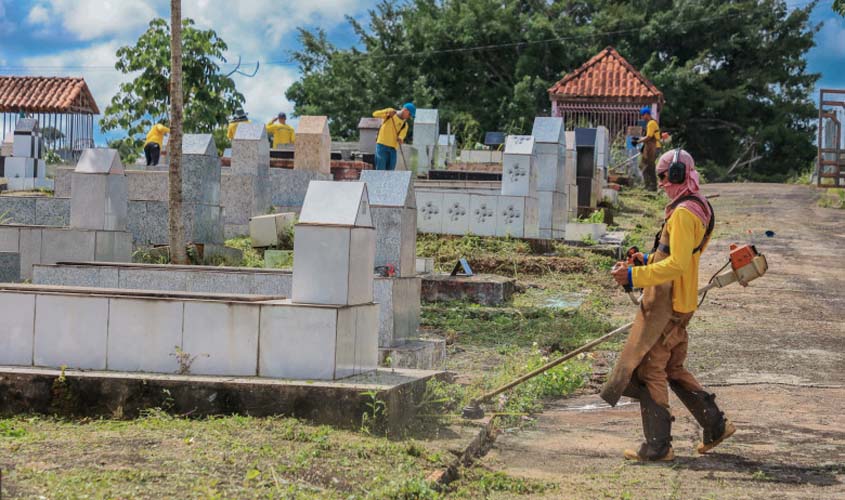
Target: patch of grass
{"x":161,"y":456}
{"x":556,"y":329}
{"x":640,"y":214}
{"x":480,"y":484}
{"x":252,"y":257}
{"x":446,"y":250}
{"x":832,"y":198}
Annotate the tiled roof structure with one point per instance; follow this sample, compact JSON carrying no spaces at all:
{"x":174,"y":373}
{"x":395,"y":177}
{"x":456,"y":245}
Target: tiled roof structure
{"x":46,"y":94}
{"x":606,"y":75}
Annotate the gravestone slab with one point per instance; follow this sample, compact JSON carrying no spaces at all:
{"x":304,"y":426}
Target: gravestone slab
{"x":267,"y":230}
{"x":548,"y":130}
{"x":519,"y":173}
{"x":368,"y":128}
{"x":99,"y":161}
{"x":312,"y":150}
{"x":199,"y":144}
{"x":336,"y":203}
{"x":52,"y":211}
{"x":389,"y":188}
{"x":10,"y":269}
{"x":98,"y":201}
{"x":250,"y":150}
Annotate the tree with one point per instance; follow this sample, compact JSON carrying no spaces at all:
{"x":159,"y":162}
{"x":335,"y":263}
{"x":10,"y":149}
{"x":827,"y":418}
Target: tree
{"x":209,"y":97}
{"x":178,"y":254}
{"x":493,"y":61}
{"x":839,"y":6}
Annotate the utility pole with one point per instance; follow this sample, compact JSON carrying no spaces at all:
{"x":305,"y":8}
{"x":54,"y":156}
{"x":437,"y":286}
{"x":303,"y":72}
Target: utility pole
{"x":178,"y":254}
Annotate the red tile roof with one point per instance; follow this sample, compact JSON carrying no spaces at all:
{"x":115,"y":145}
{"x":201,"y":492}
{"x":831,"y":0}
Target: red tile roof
{"x":45,"y":94}
{"x":607,"y":74}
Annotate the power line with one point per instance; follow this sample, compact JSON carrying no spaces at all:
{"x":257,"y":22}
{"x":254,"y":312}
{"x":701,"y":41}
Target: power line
{"x":478,"y":48}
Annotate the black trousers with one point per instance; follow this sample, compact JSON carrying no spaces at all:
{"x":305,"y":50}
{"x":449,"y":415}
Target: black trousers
{"x":152,"y":151}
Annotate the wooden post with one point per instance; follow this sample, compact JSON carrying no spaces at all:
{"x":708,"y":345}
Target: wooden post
{"x":178,"y":253}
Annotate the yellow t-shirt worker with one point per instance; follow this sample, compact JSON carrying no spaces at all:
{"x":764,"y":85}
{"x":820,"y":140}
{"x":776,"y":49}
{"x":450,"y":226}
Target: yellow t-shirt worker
{"x":238,"y":118}
{"x":154,"y":142}
{"x":392,"y":133}
{"x":281,"y":132}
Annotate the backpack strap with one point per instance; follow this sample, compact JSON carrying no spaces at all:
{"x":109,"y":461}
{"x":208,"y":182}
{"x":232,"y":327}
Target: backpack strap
{"x":709,"y":231}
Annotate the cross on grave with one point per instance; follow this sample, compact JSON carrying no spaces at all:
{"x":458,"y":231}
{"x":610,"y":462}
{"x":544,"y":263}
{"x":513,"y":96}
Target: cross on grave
{"x":456,"y":211}
{"x":483,"y":213}
{"x":511,"y":214}
{"x":429,"y":210}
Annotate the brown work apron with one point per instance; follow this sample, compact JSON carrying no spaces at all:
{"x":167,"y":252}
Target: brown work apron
{"x":653,"y":316}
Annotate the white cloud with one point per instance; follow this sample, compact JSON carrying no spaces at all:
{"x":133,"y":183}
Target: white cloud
{"x":92,"y":19}
{"x":831,"y":38}
{"x":38,"y":15}
{"x":253,"y":29}
{"x":94,"y":63}
{"x":265,"y":93}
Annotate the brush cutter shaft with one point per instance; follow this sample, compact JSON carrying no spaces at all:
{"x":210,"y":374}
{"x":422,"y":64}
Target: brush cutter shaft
{"x":752,"y":271}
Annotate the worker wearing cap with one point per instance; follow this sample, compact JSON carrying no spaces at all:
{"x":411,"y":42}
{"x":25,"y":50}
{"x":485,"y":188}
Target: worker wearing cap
{"x":651,"y":143}
{"x":652,"y":359}
{"x":281,"y":132}
{"x":153,"y":144}
{"x":238,"y":118}
{"x":391,"y":135}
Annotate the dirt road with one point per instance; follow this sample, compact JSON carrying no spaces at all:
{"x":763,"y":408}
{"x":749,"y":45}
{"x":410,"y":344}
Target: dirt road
{"x":774,"y":353}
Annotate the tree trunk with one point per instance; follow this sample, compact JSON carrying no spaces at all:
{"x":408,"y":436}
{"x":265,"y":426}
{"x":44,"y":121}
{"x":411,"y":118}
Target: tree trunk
{"x":178,"y":254}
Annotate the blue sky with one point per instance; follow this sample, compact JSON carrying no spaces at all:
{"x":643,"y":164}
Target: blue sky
{"x":80,"y":37}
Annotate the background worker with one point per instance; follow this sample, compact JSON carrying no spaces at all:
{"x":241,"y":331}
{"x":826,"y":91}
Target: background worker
{"x":238,"y":118}
{"x":281,"y":132}
{"x":651,"y":143}
{"x":392,"y":133}
{"x":652,"y":359}
{"x":153,"y":145}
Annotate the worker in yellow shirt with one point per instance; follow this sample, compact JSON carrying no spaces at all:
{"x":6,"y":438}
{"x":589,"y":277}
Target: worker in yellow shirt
{"x":238,"y":118}
{"x":155,"y":138}
{"x":652,"y":359}
{"x":651,"y":143}
{"x":281,"y":132}
{"x":391,"y":135}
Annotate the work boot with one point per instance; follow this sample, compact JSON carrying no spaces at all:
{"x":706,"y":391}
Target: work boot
{"x":657,"y":428}
{"x":702,"y":405}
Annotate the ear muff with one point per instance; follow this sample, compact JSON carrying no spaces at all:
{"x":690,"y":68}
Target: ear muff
{"x":677,"y":170}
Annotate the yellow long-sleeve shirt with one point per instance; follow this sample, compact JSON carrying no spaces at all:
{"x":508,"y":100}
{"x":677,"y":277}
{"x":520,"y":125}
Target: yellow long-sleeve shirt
{"x":282,"y":133}
{"x":391,"y":130}
{"x":652,"y":131}
{"x":156,"y":134}
{"x":233,"y":127}
{"x":681,"y":267}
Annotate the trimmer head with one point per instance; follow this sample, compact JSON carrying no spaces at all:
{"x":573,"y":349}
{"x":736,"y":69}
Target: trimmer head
{"x":472,"y":412}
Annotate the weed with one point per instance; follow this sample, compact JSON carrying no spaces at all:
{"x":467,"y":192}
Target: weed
{"x":376,"y":410}
{"x":597,"y":217}
{"x":252,"y":257}
{"x":761,"y":476}
{"x":184,"y":360}
{"x":10,"y":430}
{"x":481,"y":484}
{"x":833,"y":198}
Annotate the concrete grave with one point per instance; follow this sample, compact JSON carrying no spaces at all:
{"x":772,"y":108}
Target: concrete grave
{"x":394,"y":213}
{"x":268,"y":230}
{"x":245,"y":190}
{"x":334,"y":245}
{"x":426,"y":134}
{"x":519,"y":175}
{"x":313,"y":145}
{"x":25,"y":169}
{"x":368,"y":128}
{"x":99,"y":197}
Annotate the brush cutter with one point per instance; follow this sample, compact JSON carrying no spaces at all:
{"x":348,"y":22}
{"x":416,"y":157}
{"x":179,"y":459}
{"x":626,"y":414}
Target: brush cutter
{"x":746,"y":265}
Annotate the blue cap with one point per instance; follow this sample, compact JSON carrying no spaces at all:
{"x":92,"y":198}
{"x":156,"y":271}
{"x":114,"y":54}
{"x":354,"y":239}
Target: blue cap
{"x":645,"y":110}
{"x":411,"y":109}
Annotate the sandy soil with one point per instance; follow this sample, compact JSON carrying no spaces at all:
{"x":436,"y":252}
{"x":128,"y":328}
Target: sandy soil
{"x":774,"y":353}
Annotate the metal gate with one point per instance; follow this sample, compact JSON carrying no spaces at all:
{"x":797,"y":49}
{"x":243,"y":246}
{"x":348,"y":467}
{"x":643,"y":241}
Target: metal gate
{"x":831,"y":154}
